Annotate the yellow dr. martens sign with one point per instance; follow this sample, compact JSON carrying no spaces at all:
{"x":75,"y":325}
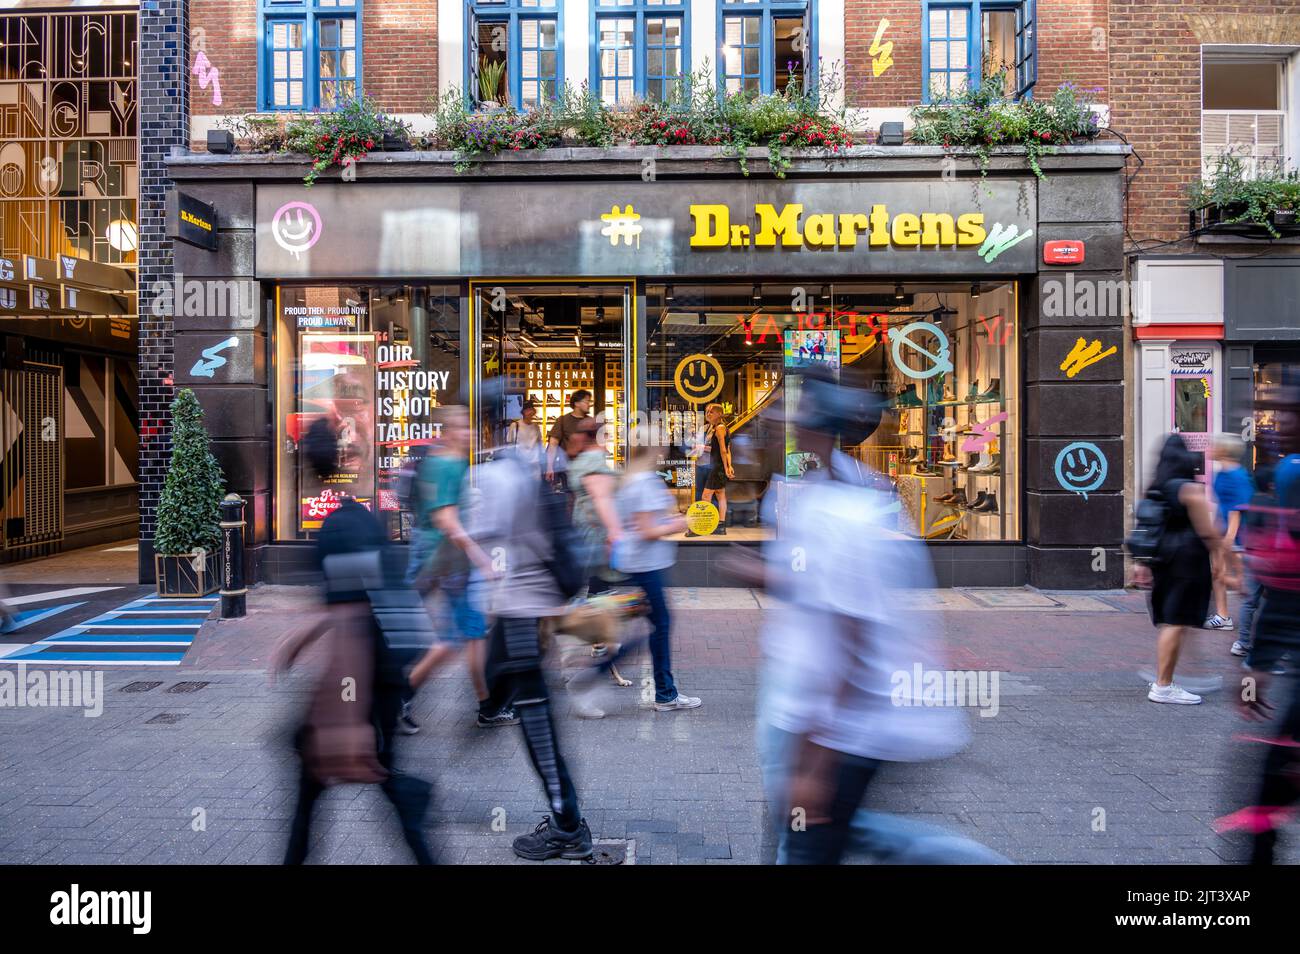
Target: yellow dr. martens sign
{"x":789,"y":227}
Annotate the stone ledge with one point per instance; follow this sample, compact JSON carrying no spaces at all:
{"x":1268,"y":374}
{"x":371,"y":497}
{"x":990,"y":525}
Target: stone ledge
{"x":670,"y":161}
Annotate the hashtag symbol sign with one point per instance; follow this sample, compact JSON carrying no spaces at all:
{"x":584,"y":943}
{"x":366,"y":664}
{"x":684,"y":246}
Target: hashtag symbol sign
{"x":622,"y":225}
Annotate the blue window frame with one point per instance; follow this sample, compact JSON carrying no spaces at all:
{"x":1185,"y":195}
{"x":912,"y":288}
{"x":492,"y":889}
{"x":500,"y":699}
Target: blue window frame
{"x":310,"y":54}
{"x":526,"y":37}
{"x":765,"y":45}
{"x":638,"y":48}
{"x":962,"y":41}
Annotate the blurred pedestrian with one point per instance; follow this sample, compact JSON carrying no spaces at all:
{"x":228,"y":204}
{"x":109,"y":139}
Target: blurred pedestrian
{"x":525,"y":520}
{"x":455,"y":566}
{"x":592,"y":483}
{"x":1232,"y":492}
{"x":648,"y":516}
{"x":837,"y":700}
{"x":1252,"y":591}
{"x":351,"y":728}
{"x":1191,"y":554}
{"x":525,"y":435}
{"x":556,"y":460}
{"x":1273,"y":555}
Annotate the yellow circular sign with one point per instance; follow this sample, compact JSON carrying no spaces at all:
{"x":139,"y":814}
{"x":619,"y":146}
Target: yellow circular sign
{"x":702,"y":518}
{"x":698,"y":378}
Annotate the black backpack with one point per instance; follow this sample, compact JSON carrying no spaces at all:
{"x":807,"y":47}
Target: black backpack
{"x":1151,"y":518}
{"x":553,"y":517}
{"x":399,"y":616}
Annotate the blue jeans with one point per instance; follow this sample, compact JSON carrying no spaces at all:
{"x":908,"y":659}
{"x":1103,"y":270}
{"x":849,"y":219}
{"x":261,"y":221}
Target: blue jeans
{"x":1251,"y":590}
{"x":885,"y":838}
{"x":423,"y":543}
{"x":661,"y":624}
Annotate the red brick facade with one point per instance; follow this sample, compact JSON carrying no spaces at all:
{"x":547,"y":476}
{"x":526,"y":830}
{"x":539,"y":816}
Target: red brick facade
{"x":399,"y":54}
{"x":1071,"y":47}
{"x":1155,"y":62}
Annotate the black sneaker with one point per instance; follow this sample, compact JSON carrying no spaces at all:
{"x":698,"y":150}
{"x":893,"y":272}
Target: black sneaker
{"x":547,"y":841}
{"x":720,"y":530}
{"x":505,"y":716}
{"x":406,"y":725}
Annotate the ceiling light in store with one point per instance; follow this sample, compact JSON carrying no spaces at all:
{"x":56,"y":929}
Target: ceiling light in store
{"x":577,"y":341}
{"x":758,"y":293}
{"x":600,"y":312}
{"x":898,"y":291}
{"x":974,"y":290}
{"x":668,"y":293}
{"x":704,"y":319}
{"x":826,"y":291}
{"x":122,"y":235}
{"x":528,"y":341}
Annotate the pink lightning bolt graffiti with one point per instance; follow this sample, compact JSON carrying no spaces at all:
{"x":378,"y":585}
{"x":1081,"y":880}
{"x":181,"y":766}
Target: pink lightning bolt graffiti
{"x":207,"y":74}
{"x":983,"y":434}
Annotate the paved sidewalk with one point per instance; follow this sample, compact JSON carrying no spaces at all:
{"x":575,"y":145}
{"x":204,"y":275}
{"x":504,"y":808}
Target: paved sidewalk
{"x":1074,"y":738}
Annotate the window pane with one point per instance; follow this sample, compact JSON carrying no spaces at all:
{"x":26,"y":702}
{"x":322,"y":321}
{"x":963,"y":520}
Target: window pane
{"x":1241,"y":85}
{"x":295,"y":34}
{"x":999,"y":41}
{"x":938,"y":24}
{"x":753,"y":29}
{"x":751,"y":61}
{"x":957,"y":55}
{"x":349,"y":32}
{"x":328,"y":63}
{"x":295,"y":64}
{"x":349,"y":64}
{"x":280,"y":64}
{"x":654,"y":62}
{"x":528,"y":32}
{"x":329,"y":33}
{"x":957,"y":23}
{"x":548,"y":64}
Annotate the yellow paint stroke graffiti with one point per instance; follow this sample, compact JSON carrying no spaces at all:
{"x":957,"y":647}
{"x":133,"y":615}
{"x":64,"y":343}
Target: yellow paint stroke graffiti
{"x":1082,"y":355}
{"x":881,"y":53}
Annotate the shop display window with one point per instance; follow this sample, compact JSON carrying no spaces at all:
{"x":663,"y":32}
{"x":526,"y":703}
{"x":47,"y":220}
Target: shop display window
{"x":550,"y":342}
{"x":373,"y":361}
{"x":942,"y":357}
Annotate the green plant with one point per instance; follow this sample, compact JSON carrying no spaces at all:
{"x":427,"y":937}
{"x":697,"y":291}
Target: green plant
{"x":490,"y":75}
{"x":472,"y":135}
{"x":979,"y":120}
{"x":188,"y":515}
{"x":1247,"y":199}
{"x":348,"y":133}
{"x":257,"y":133}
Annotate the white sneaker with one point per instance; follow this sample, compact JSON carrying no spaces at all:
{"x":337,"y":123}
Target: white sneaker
{"x":681,"y":702}
{"x":1219,"y":622}
{"x":1173,"y":694}
{"x":1238,"y":649}
{"x":585,"y":694}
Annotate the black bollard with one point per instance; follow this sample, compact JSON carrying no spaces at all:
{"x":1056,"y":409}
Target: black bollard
{"x":233,"y":592}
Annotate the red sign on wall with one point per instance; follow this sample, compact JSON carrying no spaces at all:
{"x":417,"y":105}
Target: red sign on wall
{"x":1063,"y":252}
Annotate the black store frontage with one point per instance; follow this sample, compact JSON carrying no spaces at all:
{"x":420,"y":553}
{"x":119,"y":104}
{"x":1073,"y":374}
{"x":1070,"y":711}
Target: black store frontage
{"x":375,"y":301}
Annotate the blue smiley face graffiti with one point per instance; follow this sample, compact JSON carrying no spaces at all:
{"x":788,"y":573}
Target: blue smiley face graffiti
{"x":1081,"y":468}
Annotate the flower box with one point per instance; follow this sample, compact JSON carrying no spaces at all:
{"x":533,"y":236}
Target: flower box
{"x":187,"y":575}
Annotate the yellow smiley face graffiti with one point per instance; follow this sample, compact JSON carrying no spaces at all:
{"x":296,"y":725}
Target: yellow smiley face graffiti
{"x":698,"y":378}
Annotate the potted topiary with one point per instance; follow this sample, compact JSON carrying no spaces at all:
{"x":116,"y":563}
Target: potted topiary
{"x":187,"y":537}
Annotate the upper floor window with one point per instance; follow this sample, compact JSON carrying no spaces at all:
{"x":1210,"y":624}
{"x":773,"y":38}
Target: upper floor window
{"x":310,"y":56}
{"x":639,"y":49}
{"x":1243,"y":112}
{"x":515,"y":53}
{"x":963,"y":42}
{"x":764,"y":45}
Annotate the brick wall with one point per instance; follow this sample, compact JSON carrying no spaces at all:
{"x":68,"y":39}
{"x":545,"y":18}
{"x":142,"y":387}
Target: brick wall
{"x":1069,"y":49}
{"x":1155,"y":65}
{"x":399,"y":53}
{"x":164,"y":122}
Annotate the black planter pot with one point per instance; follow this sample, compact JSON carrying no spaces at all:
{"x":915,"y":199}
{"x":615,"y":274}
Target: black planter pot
{"x":1283,"y":219}
{"x":396,"y":143}
{"x":1218,"y":220}
{"x":186,"y":575}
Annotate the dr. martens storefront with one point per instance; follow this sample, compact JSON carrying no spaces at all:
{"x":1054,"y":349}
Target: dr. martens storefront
{"x":680,"y":298}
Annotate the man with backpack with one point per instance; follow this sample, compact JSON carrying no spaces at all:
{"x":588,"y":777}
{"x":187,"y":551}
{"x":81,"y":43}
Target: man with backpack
{"x":525,"y":523}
